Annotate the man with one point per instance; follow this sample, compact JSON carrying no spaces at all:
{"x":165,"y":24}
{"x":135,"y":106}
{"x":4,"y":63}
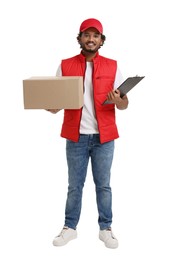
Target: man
{"x":90,"y":131}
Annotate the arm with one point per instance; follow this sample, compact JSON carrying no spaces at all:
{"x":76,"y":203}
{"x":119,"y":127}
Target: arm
{"x":58,"y":74}
{"x":114,"y":96}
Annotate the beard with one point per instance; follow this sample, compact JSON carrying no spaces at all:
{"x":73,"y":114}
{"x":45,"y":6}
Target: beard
{"x":89,"y":50}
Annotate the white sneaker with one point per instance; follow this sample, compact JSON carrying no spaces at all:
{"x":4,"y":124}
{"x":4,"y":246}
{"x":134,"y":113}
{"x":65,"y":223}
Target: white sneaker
{"x":108,"y":238}
{"x":65,"y":236}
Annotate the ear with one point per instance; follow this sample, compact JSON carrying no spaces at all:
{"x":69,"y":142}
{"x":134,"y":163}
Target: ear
{"x":78,"y":39}
{"x":101,"y":43}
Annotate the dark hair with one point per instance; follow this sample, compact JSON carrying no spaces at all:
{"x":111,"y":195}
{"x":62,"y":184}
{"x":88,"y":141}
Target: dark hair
{"x":103,"y":37}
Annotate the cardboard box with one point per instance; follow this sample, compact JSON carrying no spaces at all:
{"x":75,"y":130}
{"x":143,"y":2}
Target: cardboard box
{"x":53,"y":92}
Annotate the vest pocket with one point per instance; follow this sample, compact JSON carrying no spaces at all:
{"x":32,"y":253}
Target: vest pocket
{"x":104,"y":84}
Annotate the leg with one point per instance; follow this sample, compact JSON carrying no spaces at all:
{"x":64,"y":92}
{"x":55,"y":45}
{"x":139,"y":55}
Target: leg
{"x":101,"y":160}
{"x":77,"y":160}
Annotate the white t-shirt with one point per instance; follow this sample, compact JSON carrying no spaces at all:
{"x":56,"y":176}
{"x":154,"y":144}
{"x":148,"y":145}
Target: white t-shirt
{"x":88,"y":123}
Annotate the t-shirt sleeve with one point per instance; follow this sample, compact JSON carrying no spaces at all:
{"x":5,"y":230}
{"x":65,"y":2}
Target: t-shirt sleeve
{"x":118,"y":79}
{"x":59,"y":71}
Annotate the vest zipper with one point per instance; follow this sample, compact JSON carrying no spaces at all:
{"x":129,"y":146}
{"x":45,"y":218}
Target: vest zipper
{"x":82,"y":107}
{"x":94,"y":97}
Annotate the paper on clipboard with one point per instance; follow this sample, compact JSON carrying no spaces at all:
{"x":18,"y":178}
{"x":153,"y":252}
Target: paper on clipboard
{"x":126,"y":86}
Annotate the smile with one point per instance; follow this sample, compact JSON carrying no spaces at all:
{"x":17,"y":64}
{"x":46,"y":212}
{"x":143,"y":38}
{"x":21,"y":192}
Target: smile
{"x":90,"y":44}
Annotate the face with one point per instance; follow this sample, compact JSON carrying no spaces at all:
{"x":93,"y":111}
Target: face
{"x":90,"y":40}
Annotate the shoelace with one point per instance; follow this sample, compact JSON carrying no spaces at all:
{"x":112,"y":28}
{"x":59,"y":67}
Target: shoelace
{"x":63,"y":231}
{"x":112,"y":235}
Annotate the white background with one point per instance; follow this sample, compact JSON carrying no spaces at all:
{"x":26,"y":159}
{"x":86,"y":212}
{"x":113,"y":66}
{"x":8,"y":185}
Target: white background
{"x":35,"y":36}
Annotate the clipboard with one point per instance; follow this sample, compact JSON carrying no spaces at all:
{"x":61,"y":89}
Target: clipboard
{"x":126,"y":86}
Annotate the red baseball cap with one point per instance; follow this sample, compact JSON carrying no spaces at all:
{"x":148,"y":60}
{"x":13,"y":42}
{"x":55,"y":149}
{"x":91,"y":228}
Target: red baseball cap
{"x":91,"y":22}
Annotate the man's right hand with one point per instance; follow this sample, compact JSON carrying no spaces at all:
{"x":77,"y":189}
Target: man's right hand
{"x":53,"y":111}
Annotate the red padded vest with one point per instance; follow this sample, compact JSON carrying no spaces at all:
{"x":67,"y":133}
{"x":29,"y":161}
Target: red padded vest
{"x":104,"y":72}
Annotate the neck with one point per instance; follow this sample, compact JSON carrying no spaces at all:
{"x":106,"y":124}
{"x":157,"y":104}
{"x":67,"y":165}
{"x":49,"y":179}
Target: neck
{"x":88,"y":55}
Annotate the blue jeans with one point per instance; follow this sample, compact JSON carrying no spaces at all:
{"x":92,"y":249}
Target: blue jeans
{"x":78,"y":155}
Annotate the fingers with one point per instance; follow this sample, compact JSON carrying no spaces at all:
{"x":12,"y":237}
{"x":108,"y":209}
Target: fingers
{"x":113,"y":94}
{"x":110,"y":96}
{"x":53,"y":111}
{"x":124,"y":97}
